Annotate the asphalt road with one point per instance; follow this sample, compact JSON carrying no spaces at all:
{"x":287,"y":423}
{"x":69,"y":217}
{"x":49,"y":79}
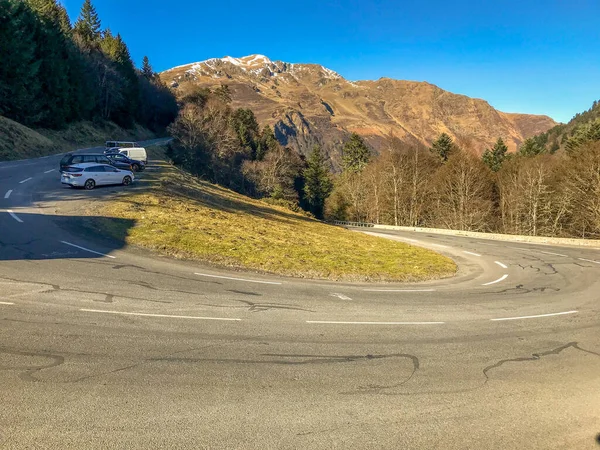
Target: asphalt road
{"x":131,"y":350}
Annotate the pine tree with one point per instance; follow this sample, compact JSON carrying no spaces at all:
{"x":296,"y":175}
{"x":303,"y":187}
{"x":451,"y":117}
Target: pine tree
{"x":318,"y":184}
{"x":88,"y":24}
{"x":19,"y":67}
{"x":266,"y":143}
{"x":442,"y":147}
{"x":355,"y":154}
{"x":495,"y":157}
{"x":531,"y":148}
{"x":147,"y":69}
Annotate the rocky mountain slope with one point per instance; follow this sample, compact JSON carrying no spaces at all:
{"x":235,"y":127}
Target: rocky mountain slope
{"x":308,"y":104}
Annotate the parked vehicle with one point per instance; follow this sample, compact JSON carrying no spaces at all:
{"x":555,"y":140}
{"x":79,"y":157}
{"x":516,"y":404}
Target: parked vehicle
{"x":136,"y":153}
{"x":75,"y":158}
{"x":90,"y":175}
{"x":121,"y":144}
{"x":134,"y":164}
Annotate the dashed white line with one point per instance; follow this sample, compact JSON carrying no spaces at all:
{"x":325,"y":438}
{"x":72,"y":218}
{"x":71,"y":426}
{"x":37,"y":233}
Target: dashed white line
{"x":440,"y":245}
{"x":14,"y":216}
{"x":399,"y":290}
{"x":502,"y":278}
{"x":534,"y":317}
{"x":471,"y":253}
{"x":25,"y":180}
{"x":504,"y":266}
{"x":334,"y":322}
{"x":8,"y":193}
{"x":553,"y":254}
{"x":159,"y":315}
{"x":236,"y":279}
{"x":51,"y":170}
{"x":341,"y":296}
{"x":589,"y":260}
{"x":87,"y":250}
{"x":6,"y":303}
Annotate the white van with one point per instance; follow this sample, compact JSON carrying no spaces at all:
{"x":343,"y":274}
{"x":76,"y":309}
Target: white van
{"x":138,"y":153}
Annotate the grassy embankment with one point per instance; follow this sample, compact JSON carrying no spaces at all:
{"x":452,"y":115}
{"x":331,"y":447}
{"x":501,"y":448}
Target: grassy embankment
{"x":181,"y":216}
{"x":19,"y":142}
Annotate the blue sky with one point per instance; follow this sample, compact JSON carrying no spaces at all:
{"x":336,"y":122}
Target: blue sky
{"x":527,"y":56}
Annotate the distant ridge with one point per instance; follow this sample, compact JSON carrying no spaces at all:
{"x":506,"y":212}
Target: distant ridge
{"x":309,"y":104}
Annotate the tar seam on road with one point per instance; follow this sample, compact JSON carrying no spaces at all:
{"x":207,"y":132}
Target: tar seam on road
{"x":504,"y":266}
{"x":236,"y":279}
{"x":159,"y":315}
{"x":334,"y":322}
{"x":8,"y":193}
{"x":25,"y":180}
{"x":14,"y":216}
{"x":534,"y":317}
{"x":471,"y":253}
{"x":87,"y":250}
{"x":51,"y":170}
{"x":502,"y":278}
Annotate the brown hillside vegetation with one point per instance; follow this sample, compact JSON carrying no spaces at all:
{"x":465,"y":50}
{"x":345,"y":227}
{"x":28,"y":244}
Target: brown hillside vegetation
{"x":308,"y":104}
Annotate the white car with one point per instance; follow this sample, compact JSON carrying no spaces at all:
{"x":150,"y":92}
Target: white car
{"x":90,"y":175}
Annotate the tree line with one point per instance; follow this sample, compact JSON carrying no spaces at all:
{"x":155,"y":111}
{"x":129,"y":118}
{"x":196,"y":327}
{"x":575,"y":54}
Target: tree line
{"x":532,"y":192}
{"x":227,"y":146}
{"x":53,"y":73}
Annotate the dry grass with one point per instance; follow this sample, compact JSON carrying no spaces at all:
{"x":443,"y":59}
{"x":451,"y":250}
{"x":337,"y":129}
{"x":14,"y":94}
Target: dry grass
{"x":181,"y":216}
{"x":19,"y":142}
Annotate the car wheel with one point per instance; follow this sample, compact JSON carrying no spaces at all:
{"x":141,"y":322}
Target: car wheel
{"x":90,"y":184}
{"x":127,"y":181}
{"x":135,"y":168}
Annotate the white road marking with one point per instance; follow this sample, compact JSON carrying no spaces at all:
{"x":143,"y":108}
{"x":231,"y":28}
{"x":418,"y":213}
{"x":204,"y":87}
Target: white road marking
{"x":471,"y":253}
{"x":504,"y":266}
{"x":333,"y":322}
{"x":14,"y":216}
{"x":51,"y":170}
{"x":440,"y":245}
{"x":6,"y":303}
{"x":87,"y":250}
{"x":25,"y":180}
{"x":553,"y":254}
{"x":534,"y":317}
{"x":399,"y":290}
{"x":341,"y":296}
{"x":8,"y":193}
{"x":158,"y":315}
{"x":589,"y":260}
{"x":236,"y":279}
{"x":502,"y":278}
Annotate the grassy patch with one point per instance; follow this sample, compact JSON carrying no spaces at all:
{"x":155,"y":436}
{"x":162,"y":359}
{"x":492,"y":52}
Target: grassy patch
{"x":181,"y":216}
{"x":19,"y":142}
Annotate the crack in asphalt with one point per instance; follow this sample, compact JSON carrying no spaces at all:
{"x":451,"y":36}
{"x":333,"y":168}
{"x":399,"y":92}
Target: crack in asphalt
{"x":30,"y":370}
{"x":535,"y":357}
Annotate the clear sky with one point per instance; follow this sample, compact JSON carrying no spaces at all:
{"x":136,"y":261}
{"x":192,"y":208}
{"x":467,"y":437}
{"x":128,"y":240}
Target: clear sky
{"x":530,"y":56}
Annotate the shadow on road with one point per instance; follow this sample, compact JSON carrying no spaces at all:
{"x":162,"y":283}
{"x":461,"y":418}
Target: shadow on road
{"x":45,"y":236}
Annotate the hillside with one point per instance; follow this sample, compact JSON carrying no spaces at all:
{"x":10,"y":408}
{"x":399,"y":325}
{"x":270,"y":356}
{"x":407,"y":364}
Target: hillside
{"x":20,"y":142}
{"x":557,"y":137}
{"x":181,"y":216}
{"x":308,"y":103}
